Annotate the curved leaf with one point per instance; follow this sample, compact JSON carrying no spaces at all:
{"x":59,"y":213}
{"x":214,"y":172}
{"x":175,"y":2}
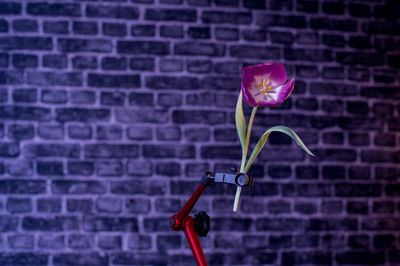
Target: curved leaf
{"x":241,"y":122}
{"x":264,"y":138}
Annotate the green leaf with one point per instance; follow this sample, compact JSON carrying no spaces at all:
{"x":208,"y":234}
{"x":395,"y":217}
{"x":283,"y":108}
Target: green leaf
{"x":241,"y":122}
{"x":264,"y":138}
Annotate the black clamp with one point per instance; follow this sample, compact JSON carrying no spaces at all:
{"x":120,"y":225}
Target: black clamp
{"x":239,"y":179}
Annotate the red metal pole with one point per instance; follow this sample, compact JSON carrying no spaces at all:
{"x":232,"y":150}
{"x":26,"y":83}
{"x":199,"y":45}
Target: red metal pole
{"x":191,"y":202}
{"x":194,"y":241}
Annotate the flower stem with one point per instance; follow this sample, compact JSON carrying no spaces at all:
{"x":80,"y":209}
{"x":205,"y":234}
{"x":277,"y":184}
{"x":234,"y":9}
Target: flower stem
{"x":244,"y":156}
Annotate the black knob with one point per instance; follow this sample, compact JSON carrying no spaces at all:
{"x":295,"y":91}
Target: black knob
{"x":202,"y":223}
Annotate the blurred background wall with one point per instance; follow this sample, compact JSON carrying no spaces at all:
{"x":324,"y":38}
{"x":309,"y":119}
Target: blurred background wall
{"x":111,"y":111}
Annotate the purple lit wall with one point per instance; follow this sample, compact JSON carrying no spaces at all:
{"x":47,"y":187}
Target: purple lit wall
{"x":111,"y":111}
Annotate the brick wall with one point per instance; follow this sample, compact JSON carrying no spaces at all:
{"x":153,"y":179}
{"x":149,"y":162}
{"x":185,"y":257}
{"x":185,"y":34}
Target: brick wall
{"x":111,"y":111}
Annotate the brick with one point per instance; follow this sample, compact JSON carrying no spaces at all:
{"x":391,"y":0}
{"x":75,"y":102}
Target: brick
{"x":143,"y":47}
{"x":82,"y":168}
{"x":168,"y":242}
{"x":360,"y":257}
{"x":11,"y":77}
{"x":383,"y":207}
{"x":281,"y":4}
{"x":248,"y":51}
{"x":50,"y":168}
{"x":53,"y":224}
{"x":292,"y":21}
{"x":198,"y":66}
{"x":77,"y":187}
{"x":26,"y":43}
{"x":360,"y":42}
{"x":310,"y":257}
{"x":197,"y":48}
{"x":49,"y":205}
{"x":184,"y":15}
{"x":168,"y":169}
{"x":21,"y":258}
{"x":169,"y":151}
{"x":19,"y":205}
{"x":197,"y":134}
{"x":199,"y":2}
{"x":25,"y":25}
{"x":381,"y":27}
{"x":112,"y":132}
{"x":119,"y":12}
{"x":171,"y":31}
{"x":138,"y":242}
{"x":387,"y":173}
{"x":109,"y":205}
{"x":19,"y":168}
{"x":333,"y":138}
{"x":149,"y":116}
{"x":84,"y":28}
{"x":308,"y":6}
{"x":282,"y":37}
{"x":381,"y":92}
{"x":359,"y":122}
{"x":9,"y":8}
{"x":79,"y":241}
{"x":87,"y":258}
{"x":144,"y":64}
{"x":129,"y":258}
{"x":171,"y":65}
{"x":114,"y":29}
{"x":359,"y":172}
{"x":81,"y":114}
{"x":56,"y":9}
{"x":254,"y":4}
{"x":359,"y":10}
{"x":84,"y":62}
{"x":51,"y":242}
{"x":51,"y":132}
{"x":333,"y":172}
{"x":199,"y":32}
{"x":357,"y":207}
{"x":109,"y":168}
{"x":113,"y":81}
{"x":56,"y":27}
{"x":4,"y":62}
{"x":346,"y":25}
{"x":110,"y":150}
{"x":358,"y":74}
{"x":314,"y":55}
{"x":382,"y":139}
{"x":24,"y":95}
{"x":138,"y":187}
{"x":176,"y":83}
{"x":357,"y":190}
{"x":333,"y":7}
{"x":199,"y":117}
{"x":333,"y":40}
{"x":116,"y":98}
{"x":84,"y":45}
{"x":35,"y":150}
{"x":169,"y":133}
{"x":54,"y":96}
{"x":331,"y":207}
{"x":384,"y":76}
{"x":254,"y":35}
{"x":379,"y":156}
{"x":305,"y":208}
{"x":226,"y":17}
{"x":55,"y":61}
{"x":139,"y":133}
{"x":359,"y":241}
{"x":307,"y":172}
{"x":307,"y":38}
{"x":143,"y":30}
{"x":110,"y":242}
{"x":279,"y":224}
{"x":9,"y":149}
{"x":333,"y":73}
{"x":79,"y":205}
{"x":138,"y":206}
{"x":384,"y":44}
{"x":356,"y":58}
{"x":3,"y":25}
{"x":79,"y":132}
{"x":73,"y":79}
{"x":333,"y":224}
